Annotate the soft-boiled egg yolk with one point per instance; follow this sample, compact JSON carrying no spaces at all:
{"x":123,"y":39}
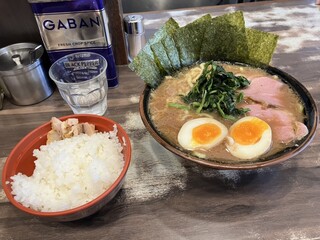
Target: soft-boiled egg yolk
{"x":249,"y":137}
{"x":203,"y":133}
{"x":206,"y":133}
{"x":248,"y":132}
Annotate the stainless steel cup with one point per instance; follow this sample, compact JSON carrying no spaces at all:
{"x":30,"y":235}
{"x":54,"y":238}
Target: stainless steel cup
{"x":23,"y":77}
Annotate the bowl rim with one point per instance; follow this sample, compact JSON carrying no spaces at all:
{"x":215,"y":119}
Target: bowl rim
{"x":307,"y":99}
{"x":65,"y":213}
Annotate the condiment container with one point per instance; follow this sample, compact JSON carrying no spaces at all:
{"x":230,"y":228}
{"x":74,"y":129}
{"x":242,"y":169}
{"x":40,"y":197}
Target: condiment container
{"x":135,"y":37}
{"x":69,"y":26}
{"x":23,"y":77}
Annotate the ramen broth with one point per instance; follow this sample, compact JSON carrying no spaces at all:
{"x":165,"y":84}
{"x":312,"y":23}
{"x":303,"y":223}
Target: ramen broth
{"x":169,"y":120}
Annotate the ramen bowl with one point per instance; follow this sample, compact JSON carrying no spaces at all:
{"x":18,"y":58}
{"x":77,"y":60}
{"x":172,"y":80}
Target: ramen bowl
{"x":21,"y":160}
{"x":310,"y":121}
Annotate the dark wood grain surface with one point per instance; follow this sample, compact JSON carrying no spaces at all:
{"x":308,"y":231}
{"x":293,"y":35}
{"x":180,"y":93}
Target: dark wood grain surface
{"x":115,"y":18}
{"x":165,"y":197}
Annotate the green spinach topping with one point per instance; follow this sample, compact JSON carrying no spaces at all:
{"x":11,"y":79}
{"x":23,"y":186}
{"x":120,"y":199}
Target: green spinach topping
{"x":217,"y":91}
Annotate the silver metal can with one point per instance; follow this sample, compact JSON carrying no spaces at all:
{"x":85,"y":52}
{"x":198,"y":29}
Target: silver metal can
{"x":70,"y":26}
{"x":23,"y":77}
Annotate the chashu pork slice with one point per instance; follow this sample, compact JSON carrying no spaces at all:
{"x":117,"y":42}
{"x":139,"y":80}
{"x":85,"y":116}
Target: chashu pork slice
{"x":285,"y":127}
{"x":266,"y":91}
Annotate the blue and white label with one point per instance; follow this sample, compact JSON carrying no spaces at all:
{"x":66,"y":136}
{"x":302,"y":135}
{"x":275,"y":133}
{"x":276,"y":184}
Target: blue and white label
{"x":75,"y":26}
{"x":73,"y":30}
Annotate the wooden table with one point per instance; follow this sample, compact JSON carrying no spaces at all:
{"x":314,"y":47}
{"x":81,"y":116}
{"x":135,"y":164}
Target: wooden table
{"x":165,"y":197}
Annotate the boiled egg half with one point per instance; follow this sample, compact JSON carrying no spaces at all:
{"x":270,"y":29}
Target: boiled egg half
{"x":249,"y":137}
{"x":201,"y":133}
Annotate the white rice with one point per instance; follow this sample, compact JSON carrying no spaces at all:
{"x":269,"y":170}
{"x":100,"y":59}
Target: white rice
{"x":70,"y":172}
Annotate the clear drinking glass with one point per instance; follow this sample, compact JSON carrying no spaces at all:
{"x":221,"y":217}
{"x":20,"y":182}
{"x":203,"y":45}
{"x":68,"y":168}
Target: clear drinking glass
{"x":82,"y":81}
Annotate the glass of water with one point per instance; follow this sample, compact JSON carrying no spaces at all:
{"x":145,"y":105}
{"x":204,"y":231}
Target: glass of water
{"x":82,"y":81}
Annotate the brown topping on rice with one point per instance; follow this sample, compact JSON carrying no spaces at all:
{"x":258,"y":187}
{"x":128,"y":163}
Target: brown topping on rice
{"x":68,"y":128}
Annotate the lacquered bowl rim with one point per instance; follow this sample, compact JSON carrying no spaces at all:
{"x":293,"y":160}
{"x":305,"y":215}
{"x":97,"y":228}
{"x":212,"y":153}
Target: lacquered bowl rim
{"x":64,"y":214}
{"x":311,"y":122}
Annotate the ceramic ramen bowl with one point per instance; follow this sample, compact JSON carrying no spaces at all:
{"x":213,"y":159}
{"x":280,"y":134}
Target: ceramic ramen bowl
{"x":311,"y":121}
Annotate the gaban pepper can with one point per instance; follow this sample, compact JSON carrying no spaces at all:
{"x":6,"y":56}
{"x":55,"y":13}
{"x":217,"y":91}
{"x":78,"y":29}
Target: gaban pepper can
{"x":74,"y":26}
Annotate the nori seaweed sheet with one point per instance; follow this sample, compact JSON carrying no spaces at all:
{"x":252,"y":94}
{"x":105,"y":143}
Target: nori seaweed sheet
{"x":225,"y":39}
{"x":170,"y":26}
{"x":172,"y":51}
{"x":160,"y":53}
{"x":147,"y":69}
{"x":148,"y":65}
{"x":261,"y":46}
{"x":189,"y":38}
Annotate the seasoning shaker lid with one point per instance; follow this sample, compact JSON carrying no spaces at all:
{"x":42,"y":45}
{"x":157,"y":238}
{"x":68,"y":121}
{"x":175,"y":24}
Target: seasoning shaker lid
{"x":133,"y":24}
{"x":19,"y":57}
